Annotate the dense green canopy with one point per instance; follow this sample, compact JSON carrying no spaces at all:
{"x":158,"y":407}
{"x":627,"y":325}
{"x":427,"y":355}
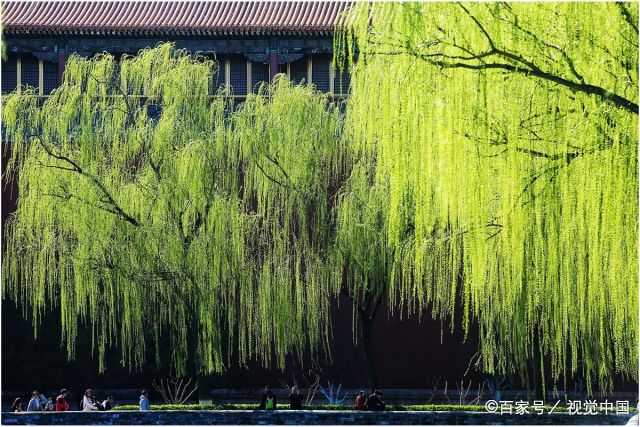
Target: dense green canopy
{"x":502,"y":144}
{"x":488,"y":155}
{"x":200,"y":222}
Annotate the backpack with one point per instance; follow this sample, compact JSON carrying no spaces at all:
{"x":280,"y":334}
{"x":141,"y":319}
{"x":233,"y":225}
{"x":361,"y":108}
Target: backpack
{"x":269,"y":403}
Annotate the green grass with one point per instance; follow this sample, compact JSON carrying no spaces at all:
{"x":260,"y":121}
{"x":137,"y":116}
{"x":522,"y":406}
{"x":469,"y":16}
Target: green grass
{"x":252,"y":406}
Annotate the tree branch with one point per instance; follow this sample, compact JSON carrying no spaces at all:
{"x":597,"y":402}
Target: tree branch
{"x":627,"y":15}
{"x":76,"y":168}
{"x":574,"y":86}
{"x":271,"y":178}
{"x":515,"y":63}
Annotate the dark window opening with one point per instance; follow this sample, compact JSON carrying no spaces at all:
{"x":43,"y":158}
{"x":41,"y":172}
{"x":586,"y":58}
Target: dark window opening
{"x":298,"y":71}
{"x":259,"y":75}
{"x":30,"y":76}
{"x":217,"y":79}
{"x":238,"y":77}
{"x":320,"y":73}
{"x":9,"y":74}
{"x":49,"y":77}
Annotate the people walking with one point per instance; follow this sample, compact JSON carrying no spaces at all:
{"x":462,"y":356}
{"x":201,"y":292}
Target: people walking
{"x":17,"y":405}
{"x":34,"y":404}
{"x":295,"y":399}
{"x":269,"y":401}
{"x":145,"y":404}
{"x":61,"y":401}
{"x":88,"y":404}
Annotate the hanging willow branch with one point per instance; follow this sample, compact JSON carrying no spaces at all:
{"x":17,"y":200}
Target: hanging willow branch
{"x":142,"y":225}
{"x":517,"y":188}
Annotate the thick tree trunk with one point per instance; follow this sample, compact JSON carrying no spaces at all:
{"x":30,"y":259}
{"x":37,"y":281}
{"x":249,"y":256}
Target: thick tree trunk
{"x":367,"y":348}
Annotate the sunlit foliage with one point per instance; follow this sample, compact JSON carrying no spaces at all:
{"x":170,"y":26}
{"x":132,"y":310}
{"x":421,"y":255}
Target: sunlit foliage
{"x":201,"y":222}
{"x":487,"y":159}
{"x":498,"y":145}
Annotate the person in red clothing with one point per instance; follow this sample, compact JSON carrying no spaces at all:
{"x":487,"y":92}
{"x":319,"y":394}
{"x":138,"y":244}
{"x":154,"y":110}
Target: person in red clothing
{"x":61,"y":401}
{"x":360,"y":401}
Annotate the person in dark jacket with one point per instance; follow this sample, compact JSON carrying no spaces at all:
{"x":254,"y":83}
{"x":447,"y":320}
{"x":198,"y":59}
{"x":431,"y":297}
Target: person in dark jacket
{"x":269,"y":401}
{"x":295,"y":398}
{"x":108,"y":403}
{"x":375,"y":403}
{"x":97,"y":402}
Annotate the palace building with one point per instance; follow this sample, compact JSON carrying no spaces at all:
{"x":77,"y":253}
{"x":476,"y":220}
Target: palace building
{"x":251,"y":41}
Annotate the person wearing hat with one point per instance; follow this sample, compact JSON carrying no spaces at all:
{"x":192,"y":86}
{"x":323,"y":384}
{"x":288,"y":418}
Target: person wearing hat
{"x":61,"y":401}
{"x":375,"y":402}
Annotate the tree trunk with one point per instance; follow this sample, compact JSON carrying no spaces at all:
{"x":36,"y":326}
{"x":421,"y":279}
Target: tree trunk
{"x":202,"y":380}
{"x":367,"y":348}
{"x":204,"y":389}
{"x":538,"y":378}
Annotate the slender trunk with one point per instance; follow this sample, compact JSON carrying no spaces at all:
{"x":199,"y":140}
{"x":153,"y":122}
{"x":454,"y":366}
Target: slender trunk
{"x":202,"y":379}
{"x":538,"y":386}
{"x":535,"y":374}
{"x":367,"y":348}
{"x":204,"y":389}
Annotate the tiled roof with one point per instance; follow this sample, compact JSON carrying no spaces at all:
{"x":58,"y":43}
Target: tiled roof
{"x":151,"y":18}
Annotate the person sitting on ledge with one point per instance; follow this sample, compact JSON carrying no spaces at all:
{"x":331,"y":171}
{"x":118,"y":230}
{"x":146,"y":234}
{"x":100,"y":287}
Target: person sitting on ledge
{"x":268,"y":399}
{"x":108,"y":403}
{"x":295,"y":398}
{"x":145,"y":404}
{"x":375,"y":403}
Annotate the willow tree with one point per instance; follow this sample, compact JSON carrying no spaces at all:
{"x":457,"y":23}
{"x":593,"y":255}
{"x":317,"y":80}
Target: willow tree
{"x":498,"y":144}
{"x":202,"y":222}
